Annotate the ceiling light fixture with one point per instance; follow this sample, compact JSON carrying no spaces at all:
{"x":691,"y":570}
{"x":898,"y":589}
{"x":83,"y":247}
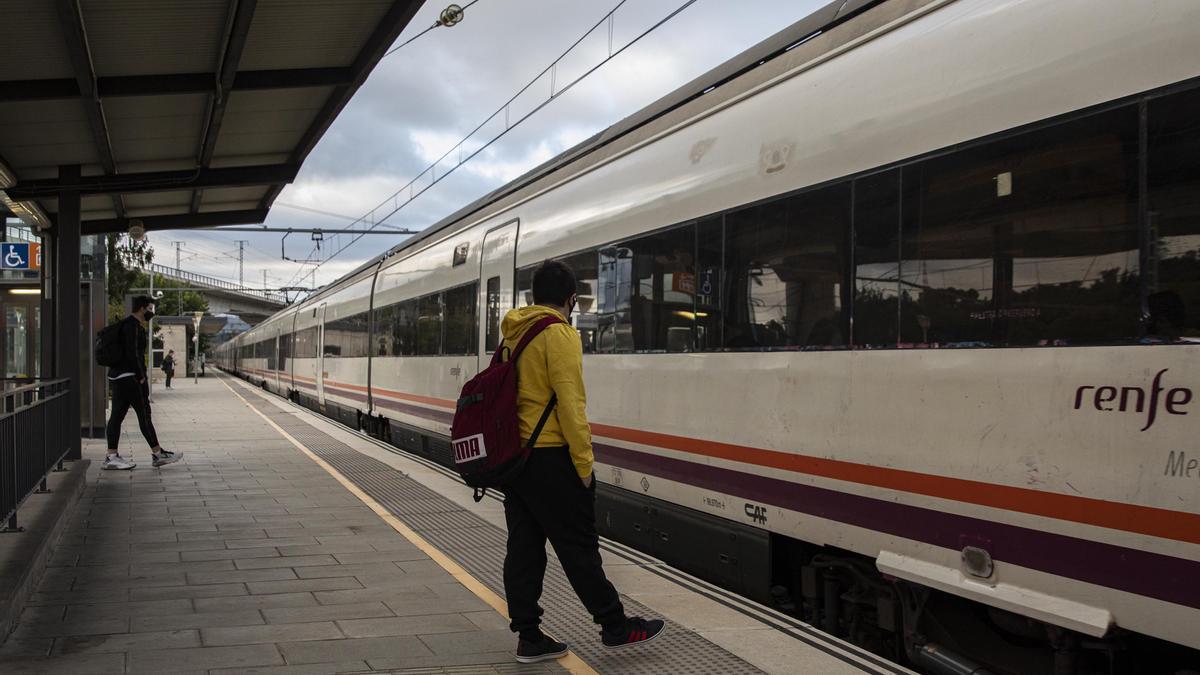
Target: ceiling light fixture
{"x":30,"y":212}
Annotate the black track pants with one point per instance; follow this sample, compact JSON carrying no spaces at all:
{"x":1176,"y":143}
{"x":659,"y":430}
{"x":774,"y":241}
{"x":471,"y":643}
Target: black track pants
{"x":548,"y":501}
{"x":128,"y":392}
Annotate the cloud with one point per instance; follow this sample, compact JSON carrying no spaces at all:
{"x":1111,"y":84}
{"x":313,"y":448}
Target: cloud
{"x":421,"y":100}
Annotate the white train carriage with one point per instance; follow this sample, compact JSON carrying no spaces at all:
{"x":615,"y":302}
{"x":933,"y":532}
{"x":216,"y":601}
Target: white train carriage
{"x":887,"y":322}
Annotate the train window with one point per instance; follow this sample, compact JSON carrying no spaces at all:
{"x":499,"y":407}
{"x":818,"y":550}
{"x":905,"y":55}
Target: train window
{"x":306,"y":343}
{"x":429,"y":325}
{"x":876,"y":259}
{"x":647,"y":298}
{"x":492,"y":334}
{"x":383,"y":331}
{"x":1173,"y":178}
{"x":786,"y":265}
{"x":285,"y":351}
{"x":710,"y":241}
{"x":1029,"y":240}
{"x":347,"y":337}
{"x":404,"y":328}
{"x":525,"y":286}
{"x":585,"y":266}
{"x":461,"y":329}
{"x":587,"y":279}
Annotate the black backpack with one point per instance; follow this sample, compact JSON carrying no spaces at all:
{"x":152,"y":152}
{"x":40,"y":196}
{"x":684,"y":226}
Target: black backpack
{"x":108,"y":348}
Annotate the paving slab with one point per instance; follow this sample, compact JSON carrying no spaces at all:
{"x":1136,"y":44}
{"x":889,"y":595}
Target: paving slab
{"x":248,"y":635}
{"x":362,"y":610}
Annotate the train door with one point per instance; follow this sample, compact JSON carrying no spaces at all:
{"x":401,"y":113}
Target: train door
{"x":289,"y":367}
{"x":321,"y":354}
{"x":274,"y":363}
{"x":496,"y":288}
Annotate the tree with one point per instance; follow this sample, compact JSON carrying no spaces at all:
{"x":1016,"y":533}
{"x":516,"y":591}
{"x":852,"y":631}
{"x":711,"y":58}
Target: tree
{"x":126,"y":259}
{"x":173,"y":302}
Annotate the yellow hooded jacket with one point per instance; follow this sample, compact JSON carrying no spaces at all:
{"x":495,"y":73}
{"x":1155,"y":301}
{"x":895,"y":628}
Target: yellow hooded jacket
{"x":551,"y":363}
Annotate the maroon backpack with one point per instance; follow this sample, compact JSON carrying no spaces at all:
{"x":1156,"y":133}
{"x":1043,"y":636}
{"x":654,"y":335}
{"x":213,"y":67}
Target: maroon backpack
{"x":486,"y":432}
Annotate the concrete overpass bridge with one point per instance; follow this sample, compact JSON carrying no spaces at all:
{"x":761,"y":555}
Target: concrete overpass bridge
{"x":225,"y":297}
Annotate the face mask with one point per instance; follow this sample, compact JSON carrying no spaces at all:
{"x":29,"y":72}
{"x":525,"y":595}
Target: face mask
{"x":149,"y":313}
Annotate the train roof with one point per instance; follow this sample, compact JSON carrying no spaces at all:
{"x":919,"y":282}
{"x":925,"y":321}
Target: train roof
{"x":820,"y":21}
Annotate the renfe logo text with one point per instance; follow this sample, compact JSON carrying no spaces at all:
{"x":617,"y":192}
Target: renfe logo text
{"x":1107,"y":398}
{"x":469,"y":448}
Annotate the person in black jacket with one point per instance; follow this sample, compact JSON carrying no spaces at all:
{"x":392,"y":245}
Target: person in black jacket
{"x":127,"y":383}
{"x":168,"y":366}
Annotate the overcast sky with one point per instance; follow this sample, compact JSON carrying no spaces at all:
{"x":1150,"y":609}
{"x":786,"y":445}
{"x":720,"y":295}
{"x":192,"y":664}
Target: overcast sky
{"x":424,"y":98}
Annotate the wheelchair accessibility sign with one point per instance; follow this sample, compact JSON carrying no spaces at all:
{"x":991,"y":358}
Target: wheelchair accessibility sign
{"x":20,"y":256}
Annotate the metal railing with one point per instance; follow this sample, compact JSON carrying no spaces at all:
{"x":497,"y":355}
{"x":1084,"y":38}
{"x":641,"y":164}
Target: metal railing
{"x":32,"y":441}
{"x":205,"y":280}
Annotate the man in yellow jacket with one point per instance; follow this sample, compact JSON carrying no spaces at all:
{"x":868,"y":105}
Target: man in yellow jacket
{"x":554,"y":497}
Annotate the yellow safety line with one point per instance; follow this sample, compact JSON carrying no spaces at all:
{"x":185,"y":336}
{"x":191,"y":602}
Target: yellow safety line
{"x":571,"y":661}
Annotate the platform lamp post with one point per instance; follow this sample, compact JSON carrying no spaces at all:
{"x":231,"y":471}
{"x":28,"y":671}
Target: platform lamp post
{"x":196,"y":350}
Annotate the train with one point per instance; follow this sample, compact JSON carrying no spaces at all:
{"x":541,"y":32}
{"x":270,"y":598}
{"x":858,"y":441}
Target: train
{"x":890,"y":322}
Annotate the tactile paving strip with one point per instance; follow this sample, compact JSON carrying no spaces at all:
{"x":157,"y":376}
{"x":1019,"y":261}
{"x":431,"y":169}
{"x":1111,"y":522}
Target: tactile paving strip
{"x":515,"y":669}
{"x":479,"y":547}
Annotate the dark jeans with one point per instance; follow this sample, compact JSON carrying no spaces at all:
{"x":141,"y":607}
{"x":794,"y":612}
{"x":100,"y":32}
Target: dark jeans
{"x":170,"y":373}
{"x":128,"y":392}
{"x":548,"y":501}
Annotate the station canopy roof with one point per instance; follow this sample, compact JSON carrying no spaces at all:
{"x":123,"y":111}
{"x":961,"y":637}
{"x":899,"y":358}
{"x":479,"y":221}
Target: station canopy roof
{"x":180,"y":113}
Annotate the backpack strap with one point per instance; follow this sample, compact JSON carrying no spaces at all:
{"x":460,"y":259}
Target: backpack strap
{"x":542,"y":422}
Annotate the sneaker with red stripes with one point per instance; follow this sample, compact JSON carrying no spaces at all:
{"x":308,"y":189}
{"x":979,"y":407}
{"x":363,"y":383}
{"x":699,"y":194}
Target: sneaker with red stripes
{"x":635,"y":631}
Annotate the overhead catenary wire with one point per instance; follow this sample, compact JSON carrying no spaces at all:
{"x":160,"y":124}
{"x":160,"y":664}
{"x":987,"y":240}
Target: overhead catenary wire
{"x":509,"y":125}
{"x":320,"y":212}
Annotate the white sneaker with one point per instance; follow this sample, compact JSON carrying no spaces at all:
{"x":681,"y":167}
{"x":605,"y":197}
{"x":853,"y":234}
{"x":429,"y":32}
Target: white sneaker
{"x":117,"y":463}
{"x":166,"y":457}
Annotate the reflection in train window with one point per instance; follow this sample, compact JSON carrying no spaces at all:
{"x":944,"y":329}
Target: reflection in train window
{"x":710,"y":240}
{"x":1173,"y":274}
{"x":492,"y":334}
{"x":396,"y":328}
{"x":285,"y":352}
{"x":1030,"y":240}
{"x":586,"y":266}
{"x":877,"y":259}
{"x":525,"y":286}
{"x":461,"y":330}
{"x":648,"y":293}
{"x":383,"y":331}
{"x":429,"y":325}
{"x":347,"y":337}
{"x":305,"y":343}
{"x":785,"y":265}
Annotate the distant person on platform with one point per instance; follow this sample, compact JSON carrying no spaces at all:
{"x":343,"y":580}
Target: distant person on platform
{"x":168,"y":366}
{"x":127,"y":382}
{"x":202,"y":361}
{"x":554,"y":497}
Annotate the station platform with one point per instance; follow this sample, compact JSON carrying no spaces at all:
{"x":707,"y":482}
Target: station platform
{"x":286,"y":543}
